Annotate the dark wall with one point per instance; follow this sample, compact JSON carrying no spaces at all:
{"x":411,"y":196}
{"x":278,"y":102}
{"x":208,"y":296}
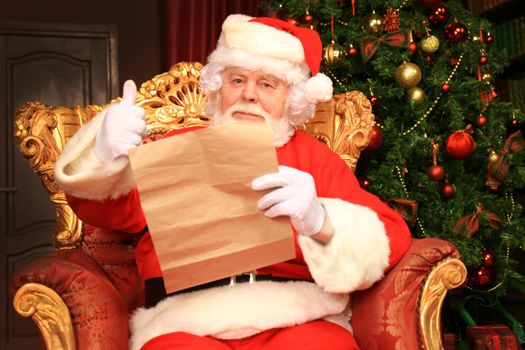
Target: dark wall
{"x":138,"y":22}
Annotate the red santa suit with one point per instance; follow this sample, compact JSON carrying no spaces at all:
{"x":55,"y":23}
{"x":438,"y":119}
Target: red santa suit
{"x":369,"y":238}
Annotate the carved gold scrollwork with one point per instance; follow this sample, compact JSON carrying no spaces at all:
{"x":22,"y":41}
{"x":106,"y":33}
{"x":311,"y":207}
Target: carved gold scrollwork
{"x":49,"y":312}
{"x":173,"y":100}
{"x":447,"y":274}
{"x":344,"y":124}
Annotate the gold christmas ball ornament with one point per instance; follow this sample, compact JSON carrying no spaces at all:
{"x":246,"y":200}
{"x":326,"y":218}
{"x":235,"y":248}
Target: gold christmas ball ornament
{"x":408,"y":75}
{"x":416,"y":95}
{"x":430,"y":44}
{"x":374,"y":22}
{"x":333,"y":53}
{"x":493,"y":157}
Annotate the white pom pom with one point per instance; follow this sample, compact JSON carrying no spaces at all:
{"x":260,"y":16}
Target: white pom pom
{"x":319,"y":88}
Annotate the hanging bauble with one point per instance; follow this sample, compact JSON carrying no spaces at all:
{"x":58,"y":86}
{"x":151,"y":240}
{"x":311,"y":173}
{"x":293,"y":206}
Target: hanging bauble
{"x":480,"y":277}
{"x":454,"y":61}
{"x":512,"y":125}
{"x":376,"y":139}
{"x":308,"y":18}
{"x":429,"y":3}
{"x":292,"y":21}
{"x":412,"y":47}
{"x":481,"y":121}
{"x":364,"y":182}
{"x":352,"y":51}
{"x":436,"y":173}
{"x":333,"y":53}
{"x":447,"y":190}
{"x":488,"y":39}
{"x":488,"y":258}
{"x":416,"y":95}
{"x":483,"y":60}
{"x":455,"y":33}
{"x":493,"y":157}
{"x":430,"y":59}
{"x":429,"y":44}
{"x":460,"y":144}
{"x":408,"y":75}
{"x":373,"y":22}
{"x":439,"y":15}
{"x":445,"y":87}
{"x":373,"y":100}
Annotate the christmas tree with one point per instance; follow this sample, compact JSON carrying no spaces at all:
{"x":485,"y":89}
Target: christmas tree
{"x":445,"y":148}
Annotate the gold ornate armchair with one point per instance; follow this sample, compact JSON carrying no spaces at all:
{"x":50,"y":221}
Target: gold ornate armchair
{"x":80,"y":295}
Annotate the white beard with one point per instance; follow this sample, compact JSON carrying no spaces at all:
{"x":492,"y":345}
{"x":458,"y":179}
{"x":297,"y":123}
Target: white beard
{"x":281,"y":129}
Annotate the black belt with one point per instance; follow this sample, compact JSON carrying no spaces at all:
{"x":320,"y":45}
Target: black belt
{"x":155,"y":290}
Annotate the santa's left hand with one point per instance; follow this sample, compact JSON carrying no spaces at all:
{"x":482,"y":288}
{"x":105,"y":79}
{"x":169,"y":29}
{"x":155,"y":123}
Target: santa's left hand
{"x":295,"y":196}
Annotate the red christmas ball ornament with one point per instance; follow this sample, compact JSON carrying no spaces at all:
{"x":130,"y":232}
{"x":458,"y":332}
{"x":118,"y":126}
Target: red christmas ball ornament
{"x":292,"y":21}
{"x":430,"y":59}
{"x":445,"y":87}
{"x":373,"y":100}
{"x":454,"y":61}
{"x":455,"y":33}
{"x":460,"y":144}
{"x":480,"y":277}
{"x":308,"y":18}
{"x":488,"y":258}
{"x":436,"y":173}
{"x":481,"y":121}
{"x":376,"y":139}
{"x":429,"y":3}
{"x":447,"y":190}
{"x":439,"y":15}
{"x":365,"y":183}
{"x":483,"y":60}
{"x":512,"y":125}
{"x":352,"y":51}
{"x":488,"y":39}
{"x":412,"y":47}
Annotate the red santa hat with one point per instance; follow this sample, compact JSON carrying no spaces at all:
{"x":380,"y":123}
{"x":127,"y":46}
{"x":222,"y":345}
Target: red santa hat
{"x":277,"y":47}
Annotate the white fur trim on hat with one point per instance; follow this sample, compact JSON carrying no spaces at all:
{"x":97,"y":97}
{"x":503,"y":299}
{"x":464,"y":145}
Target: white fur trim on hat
{"x":260,"y":39}
{"x":319,"y":88}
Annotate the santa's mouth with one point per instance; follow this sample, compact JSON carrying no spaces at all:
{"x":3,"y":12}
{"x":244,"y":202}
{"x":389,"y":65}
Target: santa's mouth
{"x":245,"y":116}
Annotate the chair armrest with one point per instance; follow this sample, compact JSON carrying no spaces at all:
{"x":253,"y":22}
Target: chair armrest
{"x":98,"y":313}
{"x":403,"y":310}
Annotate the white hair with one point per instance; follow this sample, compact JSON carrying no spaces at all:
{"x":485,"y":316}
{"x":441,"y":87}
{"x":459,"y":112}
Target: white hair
{"x":299,"y":109}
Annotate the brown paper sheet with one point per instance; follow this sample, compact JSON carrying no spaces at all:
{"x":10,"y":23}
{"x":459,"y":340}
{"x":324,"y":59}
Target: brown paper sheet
{"x":195,"y":190}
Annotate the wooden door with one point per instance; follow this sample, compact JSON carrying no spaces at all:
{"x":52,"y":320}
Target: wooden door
{"x":57,"y":64}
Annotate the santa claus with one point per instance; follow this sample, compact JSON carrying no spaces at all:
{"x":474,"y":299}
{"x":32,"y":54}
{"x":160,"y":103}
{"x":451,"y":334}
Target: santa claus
{"x":263,"y":70}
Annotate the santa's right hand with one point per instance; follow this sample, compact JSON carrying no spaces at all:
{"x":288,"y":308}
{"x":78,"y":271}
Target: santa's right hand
{"x":123,"y":127}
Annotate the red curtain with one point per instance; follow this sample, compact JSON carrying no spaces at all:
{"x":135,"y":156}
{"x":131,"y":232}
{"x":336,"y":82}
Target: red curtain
{"x":191,"y":28}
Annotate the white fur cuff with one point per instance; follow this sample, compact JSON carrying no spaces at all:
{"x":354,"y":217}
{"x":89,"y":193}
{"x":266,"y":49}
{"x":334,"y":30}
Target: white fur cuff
{"x":357,"y":255}
{"x":80,"y":173}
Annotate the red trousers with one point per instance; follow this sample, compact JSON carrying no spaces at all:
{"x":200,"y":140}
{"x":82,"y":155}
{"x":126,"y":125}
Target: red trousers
{"x":317,"y":335}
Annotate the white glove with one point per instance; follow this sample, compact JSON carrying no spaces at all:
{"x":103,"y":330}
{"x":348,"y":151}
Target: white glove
{"x":296,"y":197}
{"x":123,"y":127}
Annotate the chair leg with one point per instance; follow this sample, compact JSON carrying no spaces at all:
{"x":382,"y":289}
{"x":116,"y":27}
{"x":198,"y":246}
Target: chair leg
{"x":50,"y":314}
